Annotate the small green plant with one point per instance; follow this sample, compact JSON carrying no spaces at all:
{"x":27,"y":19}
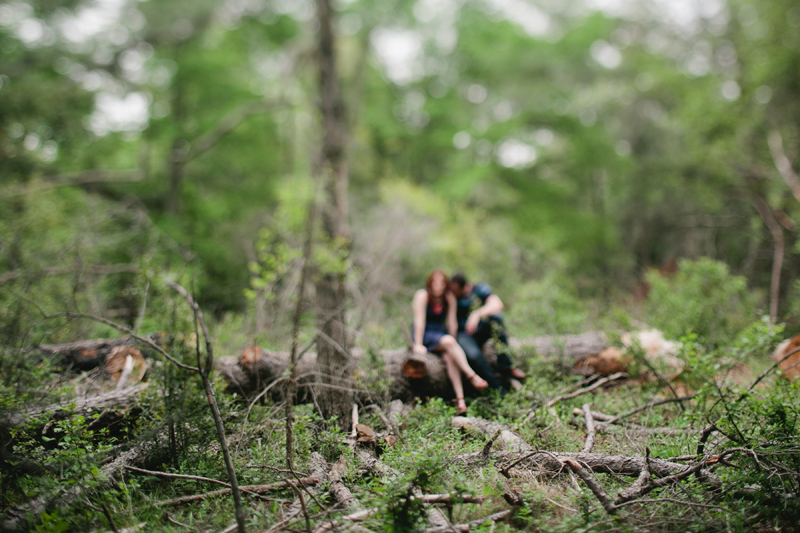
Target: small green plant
{"x":702,"y":297}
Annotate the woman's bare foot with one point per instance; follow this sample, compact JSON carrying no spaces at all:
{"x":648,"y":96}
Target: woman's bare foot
{"x":477,"y":381}
{"x":461,"y":407}
{"x":516,"y":373}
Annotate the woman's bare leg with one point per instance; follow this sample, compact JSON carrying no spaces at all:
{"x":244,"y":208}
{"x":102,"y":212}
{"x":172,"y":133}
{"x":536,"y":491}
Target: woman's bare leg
{"x":459,"y":360}
{"x":454,"y":373}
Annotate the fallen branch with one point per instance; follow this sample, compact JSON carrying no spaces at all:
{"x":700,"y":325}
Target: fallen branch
{"x":593,"y":485}
{"x":465,"y":528}
{"x":452,"y":498}
{"x":250,"y":489}
{"x":590,"y":431}
{"x":487,"y":448}
{"x":552,"y":462}
{"x":79,"y":406}
{"x":21,"y":518}
{"x":506,"y":469}
{"x":174,"y":476}
{"x":567,"y":396}
{"x":627,"y":496}
{"x":644,"y":407}
{"x":596,"y":385}
{"x":640,"y":481}
{"x":354,"y":517}
{"x":321,"y":472}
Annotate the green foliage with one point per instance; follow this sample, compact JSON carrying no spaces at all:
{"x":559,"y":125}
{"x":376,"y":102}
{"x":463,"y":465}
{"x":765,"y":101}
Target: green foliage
{"x":702,"y":297}
{"x":548,"y":307}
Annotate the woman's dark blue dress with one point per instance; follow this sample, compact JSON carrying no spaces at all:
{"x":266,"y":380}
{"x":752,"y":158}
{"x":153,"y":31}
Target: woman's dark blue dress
{"x":435,"y":328}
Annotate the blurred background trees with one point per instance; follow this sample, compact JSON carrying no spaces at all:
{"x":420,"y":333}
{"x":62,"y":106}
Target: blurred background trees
{"x":555,"y":151}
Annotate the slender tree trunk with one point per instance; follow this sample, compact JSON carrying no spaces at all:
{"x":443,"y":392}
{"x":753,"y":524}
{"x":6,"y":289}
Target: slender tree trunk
{"x":777,"y":256}
{"x":291,"y":388}
{"x":175,"y":179}
{"x":335,"y":361}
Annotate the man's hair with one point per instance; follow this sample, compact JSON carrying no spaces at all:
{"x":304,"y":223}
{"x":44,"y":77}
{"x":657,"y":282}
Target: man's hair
{"x":459,"y":279}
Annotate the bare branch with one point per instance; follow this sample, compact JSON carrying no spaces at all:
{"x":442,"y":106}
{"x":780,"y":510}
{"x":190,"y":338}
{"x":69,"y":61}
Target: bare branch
{"x":487,"y":448}
{"x":766,"y":372}
{"x":596,"y":385}
{"x":593,"y":485}
{"x":212,"y":404}
{"x":782,"y":162}
{"x":590,"y":430}
{"x":644,"y":407}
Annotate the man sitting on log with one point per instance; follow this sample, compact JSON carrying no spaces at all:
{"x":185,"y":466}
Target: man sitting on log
{"x":480,"y":318}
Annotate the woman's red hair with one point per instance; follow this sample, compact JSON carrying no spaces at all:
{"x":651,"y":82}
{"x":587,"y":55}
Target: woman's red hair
{"x":429,"y":282}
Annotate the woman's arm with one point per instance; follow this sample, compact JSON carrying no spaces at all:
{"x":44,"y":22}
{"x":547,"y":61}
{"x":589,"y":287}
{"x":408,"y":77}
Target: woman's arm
{"x":418,"y":305}
{"x":452,"y":321}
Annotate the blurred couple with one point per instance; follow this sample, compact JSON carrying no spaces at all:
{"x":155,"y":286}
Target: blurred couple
{"x":455,"y":318}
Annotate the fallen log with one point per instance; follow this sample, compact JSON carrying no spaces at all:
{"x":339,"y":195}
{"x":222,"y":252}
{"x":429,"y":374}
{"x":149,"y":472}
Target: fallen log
{"x":412,"y":375}
{"x":553,"y":462}
{"x":121,"y":398}
{"x":569,"y":348}
{"x":256,"y":368}
{"x":84,"y":355}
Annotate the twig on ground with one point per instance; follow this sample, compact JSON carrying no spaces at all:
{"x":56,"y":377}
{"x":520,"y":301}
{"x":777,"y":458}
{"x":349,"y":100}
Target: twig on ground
{"x":638,"y":493}
{"x":181,"y":524}
{"x":573,"y":394}
{"x":276,"y":469}
{"x":354,"y":517}
{"x":671,"y":500}
{"x":176,"y":476}
{"x":570,"y":509}
{"x":640,"y":481}
{"x":594,"y":386}
{"x":506,"y":469}
{"x":593,"y":485}
{"x":487,"y":448}
{"x":255,"y":490}
{"x":590,"y":430}
{"x":766,"y":372}
{"x":597,"y":415}
{"x":644,"y":407}
{"x":451,"y":498}
{"x":302,"y":504}
{"x":465,"y":528}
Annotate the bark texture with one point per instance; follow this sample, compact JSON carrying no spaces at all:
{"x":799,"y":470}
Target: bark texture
{"x":335,"y":363}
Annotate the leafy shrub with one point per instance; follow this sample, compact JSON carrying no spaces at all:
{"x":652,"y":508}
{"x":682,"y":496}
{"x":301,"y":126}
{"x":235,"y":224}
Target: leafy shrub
{"x":702,"y":297}
{"x":548,"y":306}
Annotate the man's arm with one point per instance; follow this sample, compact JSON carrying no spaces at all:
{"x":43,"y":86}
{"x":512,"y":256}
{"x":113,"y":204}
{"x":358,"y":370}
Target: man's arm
{"x":492,"y":306}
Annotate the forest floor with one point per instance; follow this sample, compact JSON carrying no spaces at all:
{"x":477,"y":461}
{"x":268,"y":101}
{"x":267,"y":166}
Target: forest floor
{"x":561,"y":453}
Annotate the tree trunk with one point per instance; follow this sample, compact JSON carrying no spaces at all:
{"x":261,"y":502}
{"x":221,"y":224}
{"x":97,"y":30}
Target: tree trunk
{"x":336,"y":365}
{"x":777,"y":256}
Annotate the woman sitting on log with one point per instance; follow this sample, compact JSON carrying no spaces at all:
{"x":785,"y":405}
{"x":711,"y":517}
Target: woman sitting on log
{"x":434,"y":317}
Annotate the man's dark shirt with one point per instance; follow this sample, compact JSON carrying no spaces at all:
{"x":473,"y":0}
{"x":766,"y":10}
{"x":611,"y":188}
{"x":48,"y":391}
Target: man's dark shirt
{"x":470,"y":302}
